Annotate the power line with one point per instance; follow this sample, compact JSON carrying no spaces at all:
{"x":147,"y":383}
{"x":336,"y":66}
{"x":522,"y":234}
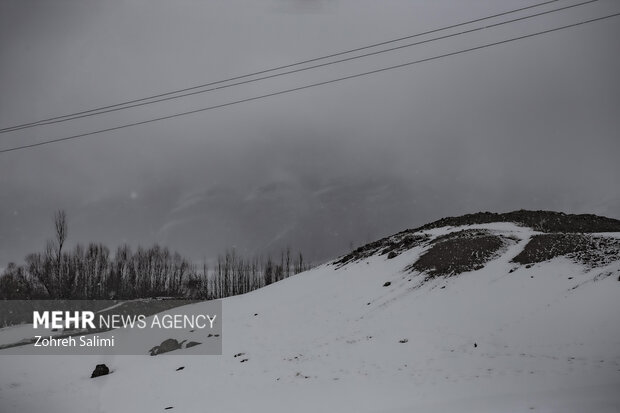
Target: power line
{"x":286,"y":91}
{"x":168,"y":95}
{"x":301,"y":69}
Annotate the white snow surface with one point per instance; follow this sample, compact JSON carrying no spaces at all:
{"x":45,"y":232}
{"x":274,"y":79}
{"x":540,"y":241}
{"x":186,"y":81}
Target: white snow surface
{"x":330,"y":340}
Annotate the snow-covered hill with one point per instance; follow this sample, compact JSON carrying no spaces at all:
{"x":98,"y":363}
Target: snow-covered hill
{"x":442,"y":319}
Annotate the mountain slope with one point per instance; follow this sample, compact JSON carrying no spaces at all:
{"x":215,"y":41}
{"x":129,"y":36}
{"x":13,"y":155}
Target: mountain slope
{"x":480,"y":332}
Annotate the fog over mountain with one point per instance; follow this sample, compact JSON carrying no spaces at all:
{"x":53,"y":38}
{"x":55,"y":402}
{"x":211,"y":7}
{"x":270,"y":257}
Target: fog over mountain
{"x":531,"y":124}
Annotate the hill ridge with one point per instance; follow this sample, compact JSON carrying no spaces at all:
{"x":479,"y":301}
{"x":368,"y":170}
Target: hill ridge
{"x":469,"y":249}
{"x":539,"y":220}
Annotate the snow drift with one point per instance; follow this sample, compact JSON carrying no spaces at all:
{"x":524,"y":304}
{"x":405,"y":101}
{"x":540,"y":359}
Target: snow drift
{"x":465,"y":317}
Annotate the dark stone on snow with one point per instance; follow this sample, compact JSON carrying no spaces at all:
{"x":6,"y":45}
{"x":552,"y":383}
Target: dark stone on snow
{"x":181,"y":368}
{"x":391,"y":255}
{"x":100,"y":370}
{"x":192,"y":344}
{"x":387,"y":284}
{"x":167,"y":345}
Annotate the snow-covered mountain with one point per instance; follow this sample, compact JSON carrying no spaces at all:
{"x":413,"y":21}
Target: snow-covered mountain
{"x":483,"y":313}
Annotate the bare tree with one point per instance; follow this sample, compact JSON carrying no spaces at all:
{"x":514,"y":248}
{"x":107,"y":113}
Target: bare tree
{"x":91,"y":272}
{"x":268,"y":273}
{"x":60,"y":223}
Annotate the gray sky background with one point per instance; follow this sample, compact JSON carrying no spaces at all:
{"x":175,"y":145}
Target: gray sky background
{"x":532,"y":124}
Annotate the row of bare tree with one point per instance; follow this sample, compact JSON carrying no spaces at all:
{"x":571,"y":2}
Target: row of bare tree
{"x":91,"y":272}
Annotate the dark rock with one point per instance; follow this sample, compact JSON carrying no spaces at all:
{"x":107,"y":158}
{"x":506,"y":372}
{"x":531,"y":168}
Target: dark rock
{"x":387,"y":284}
{"x":100,"y":370}
{"x":192,"y":344}
{"x":391,"y":255}
{"x":404,"y":340}
{"x":167,"y":345}
{"x":169,"y":407}
{"x":180,"y":368}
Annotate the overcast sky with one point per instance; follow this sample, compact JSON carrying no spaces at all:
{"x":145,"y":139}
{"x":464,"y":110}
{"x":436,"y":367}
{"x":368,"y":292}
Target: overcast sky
{"x":530,"y":124}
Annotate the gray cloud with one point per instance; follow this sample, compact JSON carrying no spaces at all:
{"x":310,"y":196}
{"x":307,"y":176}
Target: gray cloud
{"x":527,"y":125}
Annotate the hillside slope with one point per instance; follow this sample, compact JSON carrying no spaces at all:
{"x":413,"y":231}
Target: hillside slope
{"x":435,"y":320}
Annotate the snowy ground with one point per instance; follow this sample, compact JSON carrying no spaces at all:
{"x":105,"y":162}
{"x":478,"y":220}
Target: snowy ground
{"x":330,"y":340}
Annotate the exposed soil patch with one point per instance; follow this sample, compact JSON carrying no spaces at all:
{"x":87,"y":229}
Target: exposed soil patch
{"x":458,"y":252}
{"x":582,"y":248}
